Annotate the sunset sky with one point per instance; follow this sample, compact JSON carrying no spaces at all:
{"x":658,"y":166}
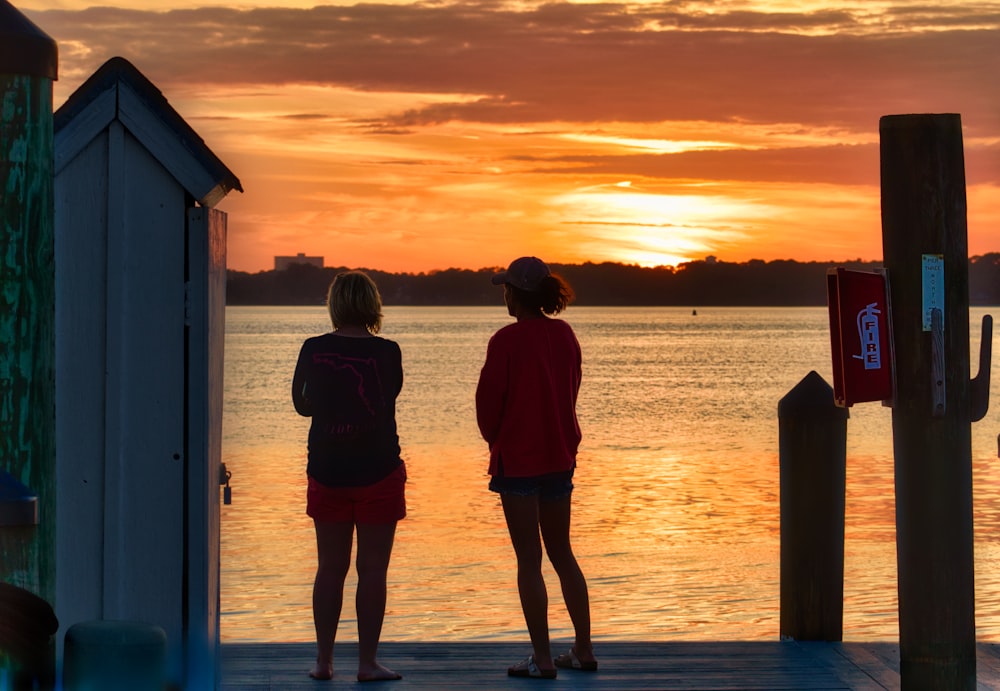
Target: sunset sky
{"x":418,"y":136}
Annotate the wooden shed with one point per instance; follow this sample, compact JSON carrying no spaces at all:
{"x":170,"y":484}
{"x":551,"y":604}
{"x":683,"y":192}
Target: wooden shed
{"x":140,"y":302}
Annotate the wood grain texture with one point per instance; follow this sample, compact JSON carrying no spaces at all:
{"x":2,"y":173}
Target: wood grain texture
{"x":624,"y":666}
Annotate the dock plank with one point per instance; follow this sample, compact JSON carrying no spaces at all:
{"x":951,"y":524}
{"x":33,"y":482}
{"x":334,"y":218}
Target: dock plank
{"x":624,"y":666}
{"x":874,"y":661}
{"x":988,"y":667}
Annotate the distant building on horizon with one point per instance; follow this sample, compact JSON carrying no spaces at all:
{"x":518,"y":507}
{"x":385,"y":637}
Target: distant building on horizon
{"x":282,"y":263}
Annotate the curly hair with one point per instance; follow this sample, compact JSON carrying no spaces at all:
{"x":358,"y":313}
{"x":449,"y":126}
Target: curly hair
{"x":554,"y":295}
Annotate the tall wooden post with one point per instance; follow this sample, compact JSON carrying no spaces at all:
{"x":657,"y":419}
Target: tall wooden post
{"x":28,"y":60}
{"x":925,"y":248}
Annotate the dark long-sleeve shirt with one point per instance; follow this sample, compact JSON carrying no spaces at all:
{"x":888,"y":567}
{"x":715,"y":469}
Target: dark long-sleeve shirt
{"x":349,"y":387}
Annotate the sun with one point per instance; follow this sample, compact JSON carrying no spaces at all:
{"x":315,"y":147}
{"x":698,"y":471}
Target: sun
{"x":637,"y":225}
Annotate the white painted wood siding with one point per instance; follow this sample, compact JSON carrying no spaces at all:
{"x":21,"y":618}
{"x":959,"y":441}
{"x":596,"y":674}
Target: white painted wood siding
{"x":119,"y":386}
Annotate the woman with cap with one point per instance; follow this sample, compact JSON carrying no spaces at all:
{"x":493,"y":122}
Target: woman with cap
{"x":526,"y":410}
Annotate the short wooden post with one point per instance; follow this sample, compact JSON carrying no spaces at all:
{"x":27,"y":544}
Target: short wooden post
{"x":812,"y":433}
{"x":924,"y":242}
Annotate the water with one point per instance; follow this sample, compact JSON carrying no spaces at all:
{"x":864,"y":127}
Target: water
{"x":676,"y":511}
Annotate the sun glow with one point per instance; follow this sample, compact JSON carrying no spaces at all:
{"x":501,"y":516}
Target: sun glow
{"x":654,"y":228}
{"x":663,"y":146}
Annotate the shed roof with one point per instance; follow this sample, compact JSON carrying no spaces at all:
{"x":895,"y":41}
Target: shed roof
{"x":119,"y":91}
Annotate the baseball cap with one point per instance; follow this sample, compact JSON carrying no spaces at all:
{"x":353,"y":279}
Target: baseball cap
{"x":525,"y":273}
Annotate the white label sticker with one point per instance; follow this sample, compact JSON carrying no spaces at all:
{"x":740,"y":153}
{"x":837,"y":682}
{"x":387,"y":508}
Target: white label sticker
{"x":932,"y":284}
{"x":871,"y":353}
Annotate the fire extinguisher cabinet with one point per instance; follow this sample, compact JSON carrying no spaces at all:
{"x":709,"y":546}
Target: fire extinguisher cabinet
{"x":861,"y":336}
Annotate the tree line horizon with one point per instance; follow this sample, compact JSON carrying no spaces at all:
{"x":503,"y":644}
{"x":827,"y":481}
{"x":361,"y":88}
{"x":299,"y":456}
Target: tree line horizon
{"x":776,"y":283}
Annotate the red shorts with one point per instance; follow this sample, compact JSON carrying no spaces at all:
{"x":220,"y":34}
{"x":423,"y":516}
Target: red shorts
{"x":383,"y":502}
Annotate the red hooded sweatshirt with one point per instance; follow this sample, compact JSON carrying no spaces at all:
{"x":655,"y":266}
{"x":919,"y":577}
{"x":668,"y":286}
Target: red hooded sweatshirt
{"x":526,"y":398}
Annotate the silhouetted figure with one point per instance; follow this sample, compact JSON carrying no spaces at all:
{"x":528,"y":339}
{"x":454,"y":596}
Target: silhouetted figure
{"x":348,"y":381}
{"x":526,"y":410}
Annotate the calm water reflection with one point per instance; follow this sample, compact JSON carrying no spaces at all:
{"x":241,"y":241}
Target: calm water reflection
{"x":676,"y":507}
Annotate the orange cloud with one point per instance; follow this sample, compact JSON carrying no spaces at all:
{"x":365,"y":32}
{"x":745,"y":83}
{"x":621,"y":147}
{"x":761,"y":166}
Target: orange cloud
{"x":425,"y":136}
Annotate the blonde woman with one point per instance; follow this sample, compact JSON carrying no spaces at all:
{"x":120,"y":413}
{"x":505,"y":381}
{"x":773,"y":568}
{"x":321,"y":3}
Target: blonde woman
{"x":347,"y":381}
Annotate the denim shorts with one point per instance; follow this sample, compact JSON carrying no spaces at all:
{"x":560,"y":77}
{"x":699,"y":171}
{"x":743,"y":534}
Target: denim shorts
{"x":548,"y":487}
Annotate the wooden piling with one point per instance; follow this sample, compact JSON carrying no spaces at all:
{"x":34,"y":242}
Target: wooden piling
{"x":924,"y":241}
{"x":27,"y":297}
{"x":27,"y":347}
{"x":812,"y":443}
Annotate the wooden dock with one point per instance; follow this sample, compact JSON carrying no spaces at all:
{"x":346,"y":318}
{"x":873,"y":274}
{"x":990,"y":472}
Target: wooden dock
{"x":624,"y":666}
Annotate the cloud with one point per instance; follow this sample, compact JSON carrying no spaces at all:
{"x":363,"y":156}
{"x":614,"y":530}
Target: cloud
{"x":573,"y":62}
{"x":839,"y":164}
{"x":415,"y":136}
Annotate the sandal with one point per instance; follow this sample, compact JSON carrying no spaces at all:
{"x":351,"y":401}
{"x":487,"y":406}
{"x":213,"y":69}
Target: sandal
{"x":571,"y":661}
{"x":528,"y":669}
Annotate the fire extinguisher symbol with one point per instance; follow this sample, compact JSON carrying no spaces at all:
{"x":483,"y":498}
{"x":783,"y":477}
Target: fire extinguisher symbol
{"x":868,"y":335}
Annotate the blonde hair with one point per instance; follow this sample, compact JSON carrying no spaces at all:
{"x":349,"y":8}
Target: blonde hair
{"x":354,"y":300}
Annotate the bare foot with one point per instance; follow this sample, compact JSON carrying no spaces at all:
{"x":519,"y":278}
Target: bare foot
{"x":378,"y":673}
{"x":322,"y":672}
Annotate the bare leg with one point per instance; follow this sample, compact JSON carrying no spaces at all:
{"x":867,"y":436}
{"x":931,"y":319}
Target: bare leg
{"x":554,"y":517}
{"x":522,"y":523}
{"x":374,"y":550}
{"x":333,"y":546}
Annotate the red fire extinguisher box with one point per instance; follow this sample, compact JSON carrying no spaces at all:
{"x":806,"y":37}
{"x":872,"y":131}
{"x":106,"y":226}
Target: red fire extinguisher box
{"x":860,"y":335}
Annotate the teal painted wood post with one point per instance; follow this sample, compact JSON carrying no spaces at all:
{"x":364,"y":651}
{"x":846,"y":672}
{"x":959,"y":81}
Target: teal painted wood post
{"x":28,"y":60}
{"x":925,"y":251}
